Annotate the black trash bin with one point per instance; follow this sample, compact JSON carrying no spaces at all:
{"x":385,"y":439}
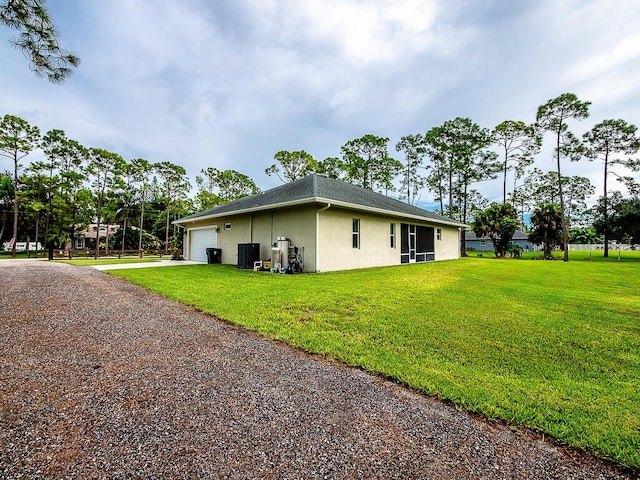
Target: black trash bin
{"x":214,"y":255}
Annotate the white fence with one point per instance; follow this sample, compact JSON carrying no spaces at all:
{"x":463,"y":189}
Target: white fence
{"x":600,"y":246}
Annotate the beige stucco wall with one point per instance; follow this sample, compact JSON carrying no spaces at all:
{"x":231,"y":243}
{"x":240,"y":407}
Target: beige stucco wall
{"x":449,"y":247}
{"x":296,"y":224}
{"x":264,"y":228}
{"x":335,"y":241}
{"x":335,"y":248}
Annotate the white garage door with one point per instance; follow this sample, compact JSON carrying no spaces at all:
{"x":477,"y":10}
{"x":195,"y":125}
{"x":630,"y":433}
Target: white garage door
{"x":199,"y":240}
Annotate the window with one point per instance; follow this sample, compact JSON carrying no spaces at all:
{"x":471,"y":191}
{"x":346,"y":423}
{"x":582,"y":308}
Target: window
{"x":227,"y":226}
{"x":483,"y":243}
{"x":392,"y":235}
{"x":355,"y":233}
{"x":439,"y":234}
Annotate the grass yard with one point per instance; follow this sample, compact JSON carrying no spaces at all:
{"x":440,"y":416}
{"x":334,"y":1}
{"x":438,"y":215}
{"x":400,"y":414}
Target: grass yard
{"x":107,"y":261}
{"x":579,"y":255}
{"x":6,"y":255}
{"x":551,"y":346}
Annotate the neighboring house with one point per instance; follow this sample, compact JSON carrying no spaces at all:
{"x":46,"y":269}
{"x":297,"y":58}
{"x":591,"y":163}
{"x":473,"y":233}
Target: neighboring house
{"x":334,"y":225}
{"x":481,"y":244}
{"x":90,"y":233}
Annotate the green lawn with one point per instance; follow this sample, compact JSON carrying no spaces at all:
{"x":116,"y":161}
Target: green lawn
{"x":594,"y":256}
{"x":108,"y":261}
{"x":6,"y":255}
{"x":549,"y":345}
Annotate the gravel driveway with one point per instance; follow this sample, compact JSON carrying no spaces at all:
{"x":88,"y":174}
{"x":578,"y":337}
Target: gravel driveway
{"x":102,"y":379}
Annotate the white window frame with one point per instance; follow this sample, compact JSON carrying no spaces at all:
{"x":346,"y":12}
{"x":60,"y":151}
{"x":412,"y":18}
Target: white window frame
{"x":392,"y":235}
{"x":355,"y":233}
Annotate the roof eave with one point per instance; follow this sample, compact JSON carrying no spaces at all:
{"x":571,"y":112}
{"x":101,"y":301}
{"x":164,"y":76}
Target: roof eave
{"x":391,"y":212}
{"x":244,"y":210}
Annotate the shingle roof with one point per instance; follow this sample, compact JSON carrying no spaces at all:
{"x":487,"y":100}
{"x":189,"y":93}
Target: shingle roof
{"x":317,"y":188}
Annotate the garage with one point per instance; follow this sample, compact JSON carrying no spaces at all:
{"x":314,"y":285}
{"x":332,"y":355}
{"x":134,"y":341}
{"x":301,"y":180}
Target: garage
{"x":199,"y":240}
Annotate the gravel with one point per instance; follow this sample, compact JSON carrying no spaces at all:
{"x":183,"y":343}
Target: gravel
{"x":102,"y":379}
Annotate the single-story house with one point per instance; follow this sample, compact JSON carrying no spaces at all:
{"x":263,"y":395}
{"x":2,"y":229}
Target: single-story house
{"x":482,"y":244}
{"x":327,"y":223}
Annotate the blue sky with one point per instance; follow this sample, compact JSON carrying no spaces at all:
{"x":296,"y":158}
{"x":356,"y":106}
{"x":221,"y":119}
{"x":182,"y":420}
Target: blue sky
{"x":228,"y":84}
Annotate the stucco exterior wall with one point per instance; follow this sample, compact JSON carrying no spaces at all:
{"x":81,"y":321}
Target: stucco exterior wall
{"x":448,"y":248}
{"x":227,"y":239}
{"x":296,"y":224}
{"x":264,"y":228}
{"x":335,"y":250}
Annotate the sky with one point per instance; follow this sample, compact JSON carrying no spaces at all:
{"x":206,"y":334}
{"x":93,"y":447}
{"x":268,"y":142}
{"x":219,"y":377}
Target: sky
{"x":228,"y":84}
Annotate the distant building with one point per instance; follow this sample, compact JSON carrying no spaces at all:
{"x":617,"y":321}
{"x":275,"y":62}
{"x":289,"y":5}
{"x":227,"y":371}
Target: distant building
{"x":87,"y":236}
{"x":482,"y":244}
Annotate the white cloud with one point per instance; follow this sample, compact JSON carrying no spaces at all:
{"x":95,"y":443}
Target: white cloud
{"x":621,"y":54}
{"x":230,"y":83}
{"x":364,"y":32}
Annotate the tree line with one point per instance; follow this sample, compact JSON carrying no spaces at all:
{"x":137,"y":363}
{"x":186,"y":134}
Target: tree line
{"x":75,"y":185}
{"x":51,"y":201}
{"x":451,"y":160}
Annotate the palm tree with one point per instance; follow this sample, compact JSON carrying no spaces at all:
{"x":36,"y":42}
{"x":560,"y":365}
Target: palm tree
{"x":547,"y":226}
{"x":498,"y":222}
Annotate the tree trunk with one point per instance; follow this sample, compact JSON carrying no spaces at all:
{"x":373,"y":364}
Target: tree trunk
{"x":504,"y":180}
{"x":37,"y":231}
{"x":440,"y":188}
{"x":124,"y":233}
{"x":141,"y":225}
{"x":166,"y":233}
{"x":47,"y":222}
{"x":463,"y":241}
{"x":606,"y":208}
{"x":565,"y":230}
{"x":97,"y":253}
{"x":73,"y":231}
{"x":408,"y":184}
{"x":15,"y":205}
{"x":451,"y":187}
